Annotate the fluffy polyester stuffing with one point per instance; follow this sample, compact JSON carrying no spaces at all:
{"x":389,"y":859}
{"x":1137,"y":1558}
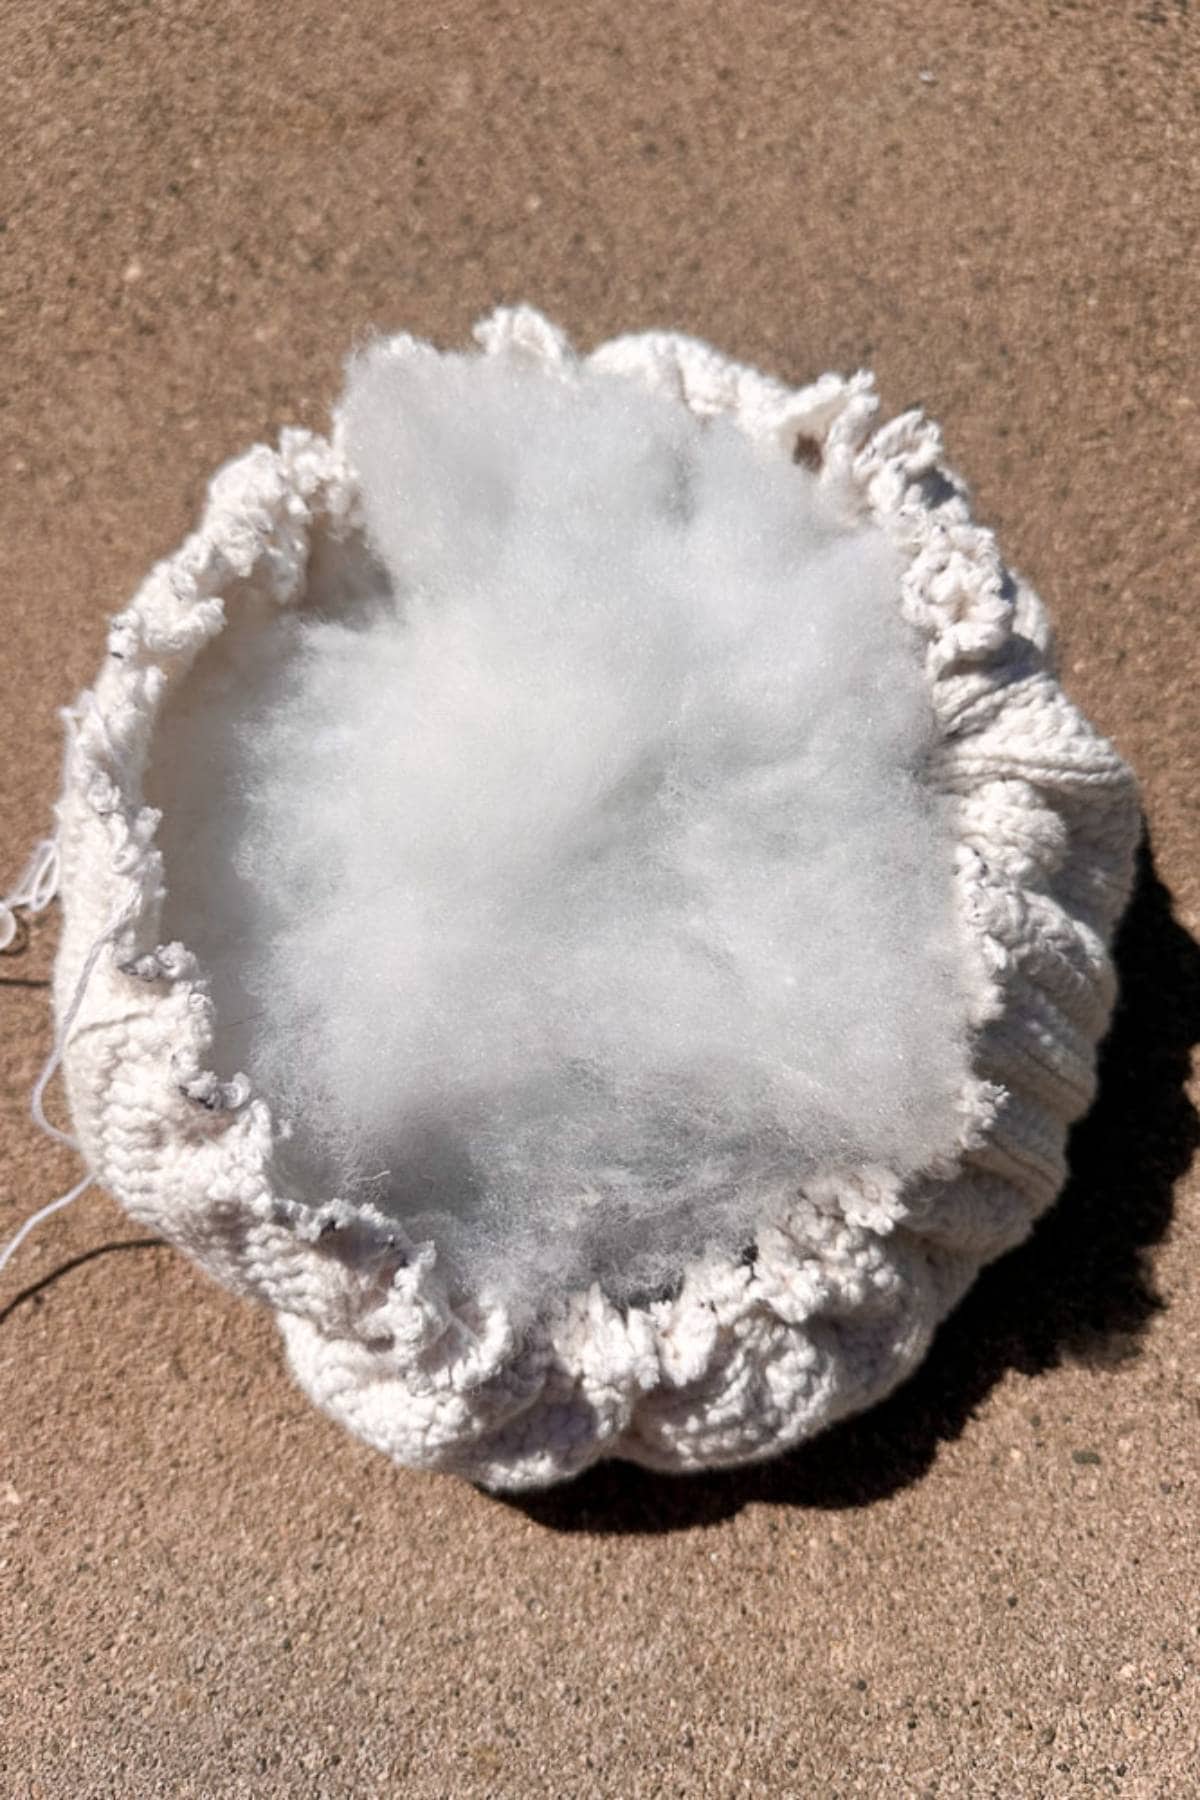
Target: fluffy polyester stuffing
{"x":578,"y":899}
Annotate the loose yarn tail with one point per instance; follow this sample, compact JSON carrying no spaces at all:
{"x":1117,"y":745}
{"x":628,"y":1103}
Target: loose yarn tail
{"x":43,"y":1212}
{"x":34,"y":889}
{"x":33,"y":892}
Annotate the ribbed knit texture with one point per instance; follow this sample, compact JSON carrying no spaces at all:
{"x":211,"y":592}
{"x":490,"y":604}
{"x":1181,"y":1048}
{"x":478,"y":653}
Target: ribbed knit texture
{"x":839,"y":1300}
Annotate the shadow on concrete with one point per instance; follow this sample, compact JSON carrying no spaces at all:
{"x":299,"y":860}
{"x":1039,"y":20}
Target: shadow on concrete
{"x":1080,"y":1289}
{"x":36,"y":1289}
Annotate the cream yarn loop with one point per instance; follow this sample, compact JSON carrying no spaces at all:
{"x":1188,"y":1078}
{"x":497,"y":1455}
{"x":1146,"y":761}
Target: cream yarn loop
{"x":837,"y":1301}
{"x":33,"y":890}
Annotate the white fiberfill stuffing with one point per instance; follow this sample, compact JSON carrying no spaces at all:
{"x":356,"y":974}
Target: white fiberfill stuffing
{"x":580,"y":899}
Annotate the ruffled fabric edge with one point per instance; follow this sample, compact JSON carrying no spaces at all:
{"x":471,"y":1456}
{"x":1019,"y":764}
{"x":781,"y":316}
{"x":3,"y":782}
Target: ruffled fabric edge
{"x":836,"y":1303}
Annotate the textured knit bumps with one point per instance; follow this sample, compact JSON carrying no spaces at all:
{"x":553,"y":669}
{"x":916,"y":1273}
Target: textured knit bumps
{"x":836,"y":1302}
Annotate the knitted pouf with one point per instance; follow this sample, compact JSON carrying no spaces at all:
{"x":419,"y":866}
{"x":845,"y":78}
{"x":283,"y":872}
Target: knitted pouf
{"x":838,"y":1296}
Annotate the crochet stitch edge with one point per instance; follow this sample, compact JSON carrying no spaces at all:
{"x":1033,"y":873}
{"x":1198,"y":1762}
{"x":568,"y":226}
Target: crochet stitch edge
{"x":839,"y":1300}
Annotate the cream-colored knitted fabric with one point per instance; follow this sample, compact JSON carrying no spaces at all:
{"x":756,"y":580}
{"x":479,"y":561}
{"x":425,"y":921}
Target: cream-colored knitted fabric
{"x":838,"y":1300}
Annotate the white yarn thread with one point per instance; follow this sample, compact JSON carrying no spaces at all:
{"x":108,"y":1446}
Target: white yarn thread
{"x":49,"y":1069}
{"x":34,"y":891}
{"x":35,"y":1219}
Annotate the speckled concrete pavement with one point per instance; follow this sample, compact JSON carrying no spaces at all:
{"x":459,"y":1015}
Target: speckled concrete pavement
{"x":987,"y":1588}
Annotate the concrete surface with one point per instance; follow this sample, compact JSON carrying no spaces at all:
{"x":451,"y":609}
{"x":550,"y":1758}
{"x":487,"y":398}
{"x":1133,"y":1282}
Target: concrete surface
{"x":987,"y":1588}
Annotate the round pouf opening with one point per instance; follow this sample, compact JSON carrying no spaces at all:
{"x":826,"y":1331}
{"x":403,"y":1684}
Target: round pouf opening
{"x":573,"y":892}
